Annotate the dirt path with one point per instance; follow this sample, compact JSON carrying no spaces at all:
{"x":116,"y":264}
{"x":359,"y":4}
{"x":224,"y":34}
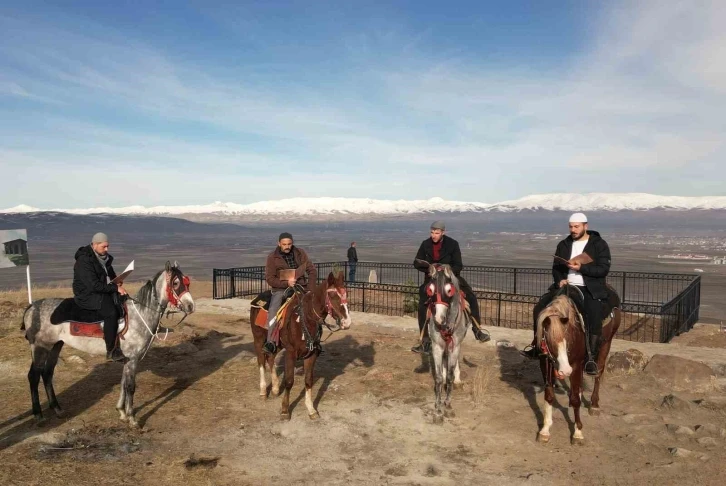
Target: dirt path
{"x":204,"y":423}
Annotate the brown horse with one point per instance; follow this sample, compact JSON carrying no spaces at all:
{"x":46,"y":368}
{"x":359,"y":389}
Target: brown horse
{"x":300,"y":332}
{"x":561,"y":339}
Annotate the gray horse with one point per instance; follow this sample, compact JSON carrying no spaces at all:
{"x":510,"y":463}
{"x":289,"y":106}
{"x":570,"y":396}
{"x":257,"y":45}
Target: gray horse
{"x":448,"y":322}
{"x":168,"y":287}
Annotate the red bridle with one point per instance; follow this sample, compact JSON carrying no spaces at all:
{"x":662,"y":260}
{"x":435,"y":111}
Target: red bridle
{"x":171,"y":294}
{"x":342,"y":293}
{"x":432,"y":290}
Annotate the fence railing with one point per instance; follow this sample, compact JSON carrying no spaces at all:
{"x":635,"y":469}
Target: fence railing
{"x":656,"y":306}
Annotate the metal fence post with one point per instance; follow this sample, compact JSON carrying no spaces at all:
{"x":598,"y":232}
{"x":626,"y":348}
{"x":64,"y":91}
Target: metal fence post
{"x":515,"y":281}
{"x":364,"y":296}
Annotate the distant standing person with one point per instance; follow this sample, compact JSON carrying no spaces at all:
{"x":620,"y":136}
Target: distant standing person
{"x":352,"y":262}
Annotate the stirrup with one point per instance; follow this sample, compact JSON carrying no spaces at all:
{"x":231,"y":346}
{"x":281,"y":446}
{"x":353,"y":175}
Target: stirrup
{"x":530,"y":351}
{"x":269,"y":347}
{"x":591,"y":368}
{"x":481,"y":334}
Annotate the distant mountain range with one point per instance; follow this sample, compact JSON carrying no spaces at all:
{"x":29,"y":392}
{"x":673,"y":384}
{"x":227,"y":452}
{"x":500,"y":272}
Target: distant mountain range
{"x":327,"y":206}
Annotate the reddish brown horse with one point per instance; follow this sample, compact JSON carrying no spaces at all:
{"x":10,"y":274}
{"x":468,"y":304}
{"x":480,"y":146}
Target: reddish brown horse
{"x":561,"y":339}
{"x":300,"y":332}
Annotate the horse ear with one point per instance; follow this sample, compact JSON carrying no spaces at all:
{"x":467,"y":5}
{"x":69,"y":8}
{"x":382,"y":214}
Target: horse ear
{"x":176,"y":264}
{"x":168,"y":266}
{"x":340,"y":279}
{"x":331,"y":279}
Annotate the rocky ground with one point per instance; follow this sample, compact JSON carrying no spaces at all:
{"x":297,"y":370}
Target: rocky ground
{"x":663,"y":415}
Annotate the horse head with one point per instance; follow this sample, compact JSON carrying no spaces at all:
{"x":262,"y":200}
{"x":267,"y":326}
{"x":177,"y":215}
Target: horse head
{"x":336,"y":300}
{"x":443,"y":292}
{"x":175,"y":288}
{"x":554,"y":333}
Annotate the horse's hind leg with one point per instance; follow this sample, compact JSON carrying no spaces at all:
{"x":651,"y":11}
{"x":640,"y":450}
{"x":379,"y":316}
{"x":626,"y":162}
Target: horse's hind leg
{"x":309,"y":365}
{"x":273,"y":375}
{"x":453,"y":365}
{"x":38,"y":356}
{"x":575,"y":401}
{"x":48,"y":371}
{"x":128,"y":389}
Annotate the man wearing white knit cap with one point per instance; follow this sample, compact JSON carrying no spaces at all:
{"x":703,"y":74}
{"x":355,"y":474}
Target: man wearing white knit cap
{"x":588,"y":277}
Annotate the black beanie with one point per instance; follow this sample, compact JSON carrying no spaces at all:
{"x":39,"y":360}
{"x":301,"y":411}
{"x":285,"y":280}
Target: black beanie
{"x":284,"y":236}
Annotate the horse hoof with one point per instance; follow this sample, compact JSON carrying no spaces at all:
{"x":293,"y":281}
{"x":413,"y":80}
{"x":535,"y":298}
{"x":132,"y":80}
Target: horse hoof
{"x":577,"y":441}
{"x":459,"y":385}
{"x":284,"y":416}
{"x":438,"y":419}
{"x":134,"y":424}
{"x":543,"y":439}
{"x":276,"y":392}
{"x":314,"y":416}
{"x":595,"y":412}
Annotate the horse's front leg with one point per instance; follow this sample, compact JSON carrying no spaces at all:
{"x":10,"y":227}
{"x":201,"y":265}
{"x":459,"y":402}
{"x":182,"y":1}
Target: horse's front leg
{"x":309,"y":366}
{"x":121,"y":403}
{"x":452,"y":363}
{"x":130,"y":386}
{"x":549,"y":395}
{"x":439,"y":379}
{"x":273,"y":375}
{"x":289,"y":382}
{"x":575,"y":401}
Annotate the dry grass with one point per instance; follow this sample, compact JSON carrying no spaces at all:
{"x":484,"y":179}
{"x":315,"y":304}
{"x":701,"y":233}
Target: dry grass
{"x":480,"y":385}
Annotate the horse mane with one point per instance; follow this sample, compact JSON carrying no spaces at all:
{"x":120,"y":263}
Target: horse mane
{"x":148,"y":290}
{"x":561,"y":308}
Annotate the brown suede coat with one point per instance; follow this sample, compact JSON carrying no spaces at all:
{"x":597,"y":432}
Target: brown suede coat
{"x":275,"y":263}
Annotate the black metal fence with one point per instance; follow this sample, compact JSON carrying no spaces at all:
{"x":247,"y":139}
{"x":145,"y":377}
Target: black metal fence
{"x":656,"y":306}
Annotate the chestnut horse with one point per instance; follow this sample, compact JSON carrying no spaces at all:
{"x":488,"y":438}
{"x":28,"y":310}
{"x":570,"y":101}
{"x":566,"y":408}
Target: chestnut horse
{"x":561,"y":340}
{"x":300,"y":332}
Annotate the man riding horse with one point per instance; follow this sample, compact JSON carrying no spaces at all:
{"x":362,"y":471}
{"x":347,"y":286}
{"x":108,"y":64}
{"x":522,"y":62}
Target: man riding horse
{"x":439,"y":248}
{"x":589,"y":278}
{"x":93,"y":290}
{"x":285,"y":257}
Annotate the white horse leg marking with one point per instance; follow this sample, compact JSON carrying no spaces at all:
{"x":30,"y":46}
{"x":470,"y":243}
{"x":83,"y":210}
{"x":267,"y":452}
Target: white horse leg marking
{"x":263,"y":382}
{"x":457,"y":374}
{"x":275,"y":379}
{"x":545,"y":431}
{"x":309,"y":402}
{"x":578,"y":434}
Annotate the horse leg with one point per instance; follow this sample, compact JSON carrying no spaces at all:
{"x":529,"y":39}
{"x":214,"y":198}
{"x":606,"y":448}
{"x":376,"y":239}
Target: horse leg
{"x":273,"y":375}
{"x":48,"y":371}
{"x":289,"y":382}
{"x":261,"y":359}
{"x":601,"y":361}
{"x":453,"y":366}
{"x":309,"y":365}
{"x":439,"y":380}
{"x":575,"y":401}
{"x":38,"y":357}
{"x":130,"y":387}
{"x":457,"y":375}
{"x":548,"y":373}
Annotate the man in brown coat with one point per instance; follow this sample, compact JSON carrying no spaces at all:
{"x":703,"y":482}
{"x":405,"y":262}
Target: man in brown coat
{"x":286,"y":256}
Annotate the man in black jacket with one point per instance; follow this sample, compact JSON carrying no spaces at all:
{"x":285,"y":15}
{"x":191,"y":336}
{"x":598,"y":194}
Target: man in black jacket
{"x":93,"y":290}
{"x":589,"y":278}
{"x":439,"y":248}
{"x":352,"y":262}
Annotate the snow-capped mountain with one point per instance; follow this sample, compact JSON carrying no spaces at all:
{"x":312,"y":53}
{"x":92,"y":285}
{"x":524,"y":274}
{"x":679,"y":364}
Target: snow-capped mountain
{"x":377,"y":207}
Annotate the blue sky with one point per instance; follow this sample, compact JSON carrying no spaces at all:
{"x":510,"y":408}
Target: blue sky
{"x":113,"y":104}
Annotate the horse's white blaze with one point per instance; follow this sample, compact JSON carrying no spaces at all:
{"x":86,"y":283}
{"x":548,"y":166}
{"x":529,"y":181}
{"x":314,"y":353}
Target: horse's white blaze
{"x":263,"y":382}
{"x":347,"y":320}
{"x":564,"y":364}
{"x":309,"y":401}
{"x":187,"y":303}
{"x":547,"y":420}
{"x":440,"y":313}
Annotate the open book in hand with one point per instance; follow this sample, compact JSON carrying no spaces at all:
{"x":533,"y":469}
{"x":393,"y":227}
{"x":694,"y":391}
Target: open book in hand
{"x":582,"y":259}
{"x":120,"y":278}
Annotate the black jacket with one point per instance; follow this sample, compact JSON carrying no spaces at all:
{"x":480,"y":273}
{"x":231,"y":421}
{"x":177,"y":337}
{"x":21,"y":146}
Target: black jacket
{"x":593,"y":273}
{"x":450,"y":254}
{"x":89,"y":279}
{"x":352,"y":254}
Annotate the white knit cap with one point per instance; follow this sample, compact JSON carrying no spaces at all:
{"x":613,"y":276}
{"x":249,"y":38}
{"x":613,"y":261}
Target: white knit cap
{"x":578,"y":218}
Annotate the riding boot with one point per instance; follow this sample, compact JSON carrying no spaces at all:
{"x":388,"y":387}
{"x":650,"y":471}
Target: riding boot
{"x":270,"y":347}
{"x":593,"y":353}
{"x":424,"y":347}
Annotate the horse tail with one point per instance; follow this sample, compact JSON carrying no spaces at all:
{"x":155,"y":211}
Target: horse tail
{"x":22,"y":323}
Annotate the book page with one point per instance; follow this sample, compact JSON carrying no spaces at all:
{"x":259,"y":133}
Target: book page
{"x":122,"y":276}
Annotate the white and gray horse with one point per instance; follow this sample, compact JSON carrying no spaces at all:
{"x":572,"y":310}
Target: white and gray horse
{"x":447,"y":325}
{"x":168,"y":287}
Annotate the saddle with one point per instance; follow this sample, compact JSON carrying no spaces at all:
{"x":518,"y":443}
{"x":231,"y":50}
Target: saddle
{"x":262,"y":302}
{"x":84,"y":322}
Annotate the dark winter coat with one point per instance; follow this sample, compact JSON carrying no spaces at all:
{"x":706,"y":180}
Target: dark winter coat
{"x":593,"y":274}
{"x":89,"y":279}
{"x":450,"y":254}
{"x":352,"y":254}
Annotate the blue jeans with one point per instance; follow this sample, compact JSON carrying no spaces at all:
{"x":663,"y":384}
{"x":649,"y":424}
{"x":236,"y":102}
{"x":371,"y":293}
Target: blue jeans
{"x":351,"y":271}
